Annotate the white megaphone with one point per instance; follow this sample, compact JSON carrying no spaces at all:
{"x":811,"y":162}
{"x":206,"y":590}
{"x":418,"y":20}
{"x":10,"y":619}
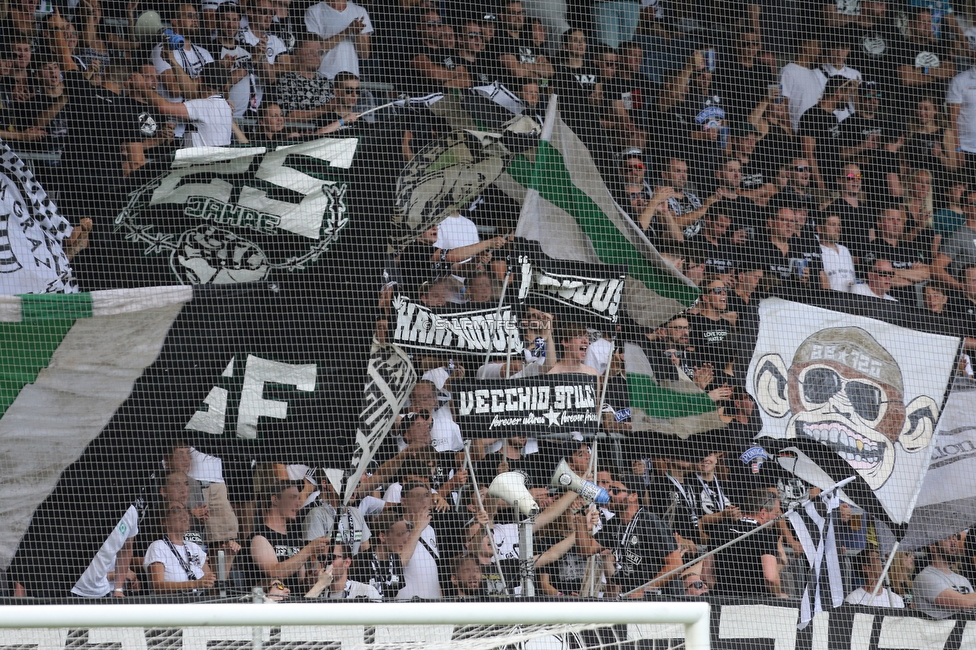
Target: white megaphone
{"x":148,"y":26}
{"x":510,"y":488}
{"x":567,"y":479}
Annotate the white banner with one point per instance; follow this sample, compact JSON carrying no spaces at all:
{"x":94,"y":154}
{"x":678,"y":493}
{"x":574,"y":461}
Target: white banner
{"x":868,"y":391}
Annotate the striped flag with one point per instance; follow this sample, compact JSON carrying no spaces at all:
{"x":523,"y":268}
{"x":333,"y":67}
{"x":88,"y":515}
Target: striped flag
{"x":93,"y":386}
{"x":568,"y":209}
{"x":678,"y":408}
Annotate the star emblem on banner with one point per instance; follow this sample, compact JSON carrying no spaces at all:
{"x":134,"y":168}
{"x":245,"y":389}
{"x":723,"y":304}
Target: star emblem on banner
{"x":553,"y":417}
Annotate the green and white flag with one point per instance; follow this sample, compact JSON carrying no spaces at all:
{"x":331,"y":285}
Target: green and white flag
{"x":568,"y":209}
{"x":678,"y":407}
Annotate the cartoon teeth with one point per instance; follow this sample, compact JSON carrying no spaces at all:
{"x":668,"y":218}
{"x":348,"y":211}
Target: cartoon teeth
{"x":857,"y":450}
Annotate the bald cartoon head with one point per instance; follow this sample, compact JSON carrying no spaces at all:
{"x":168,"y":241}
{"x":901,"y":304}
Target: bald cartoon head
{"x":845,"y":391}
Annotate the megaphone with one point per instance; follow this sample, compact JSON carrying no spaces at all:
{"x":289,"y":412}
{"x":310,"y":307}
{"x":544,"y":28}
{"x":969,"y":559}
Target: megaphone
{"x":510,"y":488}
{"x":566,"y":478}
{"x":148,"y":26}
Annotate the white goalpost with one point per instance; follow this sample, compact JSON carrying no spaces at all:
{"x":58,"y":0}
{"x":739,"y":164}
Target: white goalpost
{"x":432,"y":625}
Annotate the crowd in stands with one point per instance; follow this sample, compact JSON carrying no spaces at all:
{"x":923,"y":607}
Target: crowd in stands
{"x":829,"y":146}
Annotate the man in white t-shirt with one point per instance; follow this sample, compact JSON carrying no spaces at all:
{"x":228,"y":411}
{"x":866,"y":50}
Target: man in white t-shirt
{"x":871,"y":567}
{"x":345,"y":27}
{"x":961,"y":99}
{"x":210,"y":114}
{"x":939,"y":591}
{"x":802,"y":83}
{"x":420,"y":571}
{"x":838,"y":265}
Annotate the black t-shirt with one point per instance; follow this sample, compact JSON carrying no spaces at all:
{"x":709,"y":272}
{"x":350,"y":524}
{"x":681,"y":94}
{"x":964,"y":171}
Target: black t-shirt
{"x":738,"y":569}
{"x":677,"y":505}
{"x":641,"y":547}
{"x":786,"y":267}
{"x":857,"y":129}
{"x":713,"y":341}
{"x":416,"y":267}
{"x":386,"y":576}
{"x":661,"y":356}
{"x":574,"y":87}
{"x":873,"y":50}
{"x":719,"y":258}
{"x":285,"y":546}
{"x":823,"y":126}
{"x":746,"y":327}
{"x":754,"y":175}
{"x":618,"y":398}
{"x":521,"y":48}
{"x":776,"y":149}
{"x":922,"y":56}
{"x":903,"y":257}
{"x":482,"y":70}
{"x":418,"y":82}
{"x":742,"y":88}
{"x":638,"y":94}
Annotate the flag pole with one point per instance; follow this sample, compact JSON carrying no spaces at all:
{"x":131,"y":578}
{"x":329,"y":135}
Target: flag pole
{"x":884,"y":572}
{"x":498,"y":314}
{"x":699,"y":558}
{"x":481,"y":506}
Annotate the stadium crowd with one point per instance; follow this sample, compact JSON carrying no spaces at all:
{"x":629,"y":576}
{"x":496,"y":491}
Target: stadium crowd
{"x":828,"y":146}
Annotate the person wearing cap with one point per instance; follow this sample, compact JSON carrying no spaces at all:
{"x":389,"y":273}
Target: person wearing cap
{"x":755,"y":186}
{"x":345,"y":27}
{"x":471,"y":53}
{"x":329,"y":518}
{"x":712,"y":333}
{"x":433,"y":64}
{"x":837,"y":48}
{"x":939,"y":591}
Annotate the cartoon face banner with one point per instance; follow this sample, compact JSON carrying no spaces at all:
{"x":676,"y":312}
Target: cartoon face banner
{"x":852,"y":389}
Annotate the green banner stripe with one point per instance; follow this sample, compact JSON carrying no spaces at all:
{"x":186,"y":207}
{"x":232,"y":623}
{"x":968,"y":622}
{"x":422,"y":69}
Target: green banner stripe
{"x":552,"y":180}
{"x":26,"y":350}
{"x":55,"y":306}
{"x":662,"y":403}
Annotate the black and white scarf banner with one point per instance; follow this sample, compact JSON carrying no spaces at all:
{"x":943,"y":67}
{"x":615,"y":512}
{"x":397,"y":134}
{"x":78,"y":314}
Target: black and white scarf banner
{"x":483,"y":331}
{"x":520,"y":407}
{"x":816,"y":533}
{"x":32,"y":233}
{"x":391,"y":378}
{"x":581,"y":289}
